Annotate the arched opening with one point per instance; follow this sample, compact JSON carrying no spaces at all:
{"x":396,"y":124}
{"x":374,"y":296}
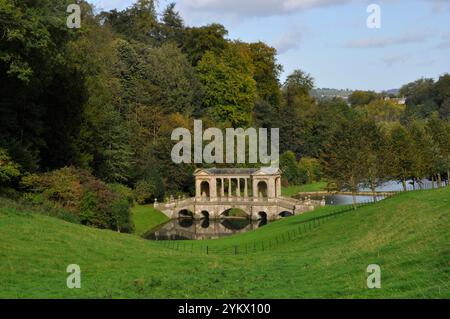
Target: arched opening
{"x":204,"y":189}
{"x":234,"y":213}
{"x":262,"y":189}
{"x":185,"y":214}
{"x":262,"y":215}
{"x":204,"y":214}
{"x":205,"y":223}
{"x":285,"y":214}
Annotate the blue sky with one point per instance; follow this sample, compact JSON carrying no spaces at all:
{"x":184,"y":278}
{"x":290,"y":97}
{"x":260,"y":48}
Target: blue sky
{"x":330,"y":39}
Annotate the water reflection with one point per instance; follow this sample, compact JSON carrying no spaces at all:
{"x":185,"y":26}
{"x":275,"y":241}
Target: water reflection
{"x":188,"y":228}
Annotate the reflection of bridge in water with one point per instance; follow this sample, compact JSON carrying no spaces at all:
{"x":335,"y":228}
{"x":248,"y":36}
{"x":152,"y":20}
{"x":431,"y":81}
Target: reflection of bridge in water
{"x":257,"y":192}
{"x":203,"y":229}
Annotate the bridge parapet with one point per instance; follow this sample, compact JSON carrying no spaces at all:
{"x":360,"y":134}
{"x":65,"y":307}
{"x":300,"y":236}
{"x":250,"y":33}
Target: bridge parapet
{"x":251,"y":205}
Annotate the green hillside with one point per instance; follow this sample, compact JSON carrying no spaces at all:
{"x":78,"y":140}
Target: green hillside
{"x":407,"y":235}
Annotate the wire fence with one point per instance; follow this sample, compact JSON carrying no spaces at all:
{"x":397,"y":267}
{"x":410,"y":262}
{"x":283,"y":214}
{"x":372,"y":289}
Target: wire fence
{"x":260,"y":245}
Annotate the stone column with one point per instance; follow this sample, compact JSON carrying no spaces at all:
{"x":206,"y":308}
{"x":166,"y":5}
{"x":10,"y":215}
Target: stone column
{"x":271,"y":187}
{"x":223,"y":187}
{"x":229,"y":187}
{"x":238,"y":187}
{"x":279,"y":187}
{"x":213,"y":188}
{"x":255,"y":189}
{"x":197,"y":189}
{"x":245,"y":188}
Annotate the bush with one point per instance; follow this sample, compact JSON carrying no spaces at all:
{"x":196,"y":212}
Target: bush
{"x":8,"y":169}
{"x":90,"y":200}
{"x":121,"y":205}
{"x":311,"y":168}
{"x":291,"y":171}
{"x":144,"y":192}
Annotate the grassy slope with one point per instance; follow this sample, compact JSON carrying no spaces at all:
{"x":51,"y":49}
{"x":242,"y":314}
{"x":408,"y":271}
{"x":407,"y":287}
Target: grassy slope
{"x":294,"y":190}
{"x":407,"y":235}
{"x":145,"y":217}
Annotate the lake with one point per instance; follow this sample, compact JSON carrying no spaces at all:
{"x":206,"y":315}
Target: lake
{"x":190,"y":229}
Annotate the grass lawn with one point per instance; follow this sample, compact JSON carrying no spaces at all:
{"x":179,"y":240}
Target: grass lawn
{"x":295,"y":189}
{"x":145,"y":217}
{"x":407,"y":235}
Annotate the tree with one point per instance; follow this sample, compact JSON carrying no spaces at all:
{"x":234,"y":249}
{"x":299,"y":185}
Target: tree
{"x":296,"y":114}
{"x":177,"y":89}
{"x":8,"y":169}
{"x":360,"y":98}
{"x":172,"y":29}
{"x":198,"y":41}
{"x":291,"y":171}
{"x":266,"y":76}
{"x":345,"y":155}
{"x":401,"y":154}
{"x":229,"y":87}
{"x":439,"y":131}
{"x":139,"y":22}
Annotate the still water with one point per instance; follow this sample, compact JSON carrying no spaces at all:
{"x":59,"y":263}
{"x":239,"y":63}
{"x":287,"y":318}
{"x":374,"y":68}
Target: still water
{"x":346,"y":199}
{"x":190,"y":229}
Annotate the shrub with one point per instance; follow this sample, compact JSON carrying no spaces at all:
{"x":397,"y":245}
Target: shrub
{"x":8,"y":169}
{"x":78,"y":192}
{"x":311,"y":168}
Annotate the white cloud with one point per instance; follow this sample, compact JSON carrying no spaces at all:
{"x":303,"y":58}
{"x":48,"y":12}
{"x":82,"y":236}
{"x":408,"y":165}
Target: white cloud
{"x":261,"y":8}
{"x":288,"y":41}
{"x":390,"y":60}
{"x":383,"y":42}
{"x":439,"y":6}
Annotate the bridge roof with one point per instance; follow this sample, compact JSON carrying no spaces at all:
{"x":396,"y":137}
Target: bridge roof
{"x":239,"y":171}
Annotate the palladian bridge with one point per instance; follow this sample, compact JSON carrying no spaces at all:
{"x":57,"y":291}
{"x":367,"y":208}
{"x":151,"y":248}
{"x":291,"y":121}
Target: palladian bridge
{"x":257,"y":192}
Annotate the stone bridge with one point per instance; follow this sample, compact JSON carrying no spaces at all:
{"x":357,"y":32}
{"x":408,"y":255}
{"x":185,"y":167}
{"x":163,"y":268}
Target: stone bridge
{"x":219,"y":190}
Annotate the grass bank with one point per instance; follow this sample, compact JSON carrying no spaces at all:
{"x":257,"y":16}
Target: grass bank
{"x":145,"y":218}
{"x":407,"y":235}
{"x":295,"y":189}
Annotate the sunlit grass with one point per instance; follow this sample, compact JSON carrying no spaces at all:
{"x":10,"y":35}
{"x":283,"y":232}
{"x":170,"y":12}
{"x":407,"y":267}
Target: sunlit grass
{"x":407,"y":235}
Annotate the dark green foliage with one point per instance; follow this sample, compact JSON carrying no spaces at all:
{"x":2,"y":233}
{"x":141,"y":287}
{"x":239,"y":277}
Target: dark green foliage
{"x":292,"y":173}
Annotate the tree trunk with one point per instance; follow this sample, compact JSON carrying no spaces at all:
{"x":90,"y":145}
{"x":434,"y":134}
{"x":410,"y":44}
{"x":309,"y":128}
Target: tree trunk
{"x":354,"y":199}
{"x":432,"y":182}
{"x":448,"y":177}
{"x":404,"y":185}
{"x":439,"y":180}
{"x":374,"y":192}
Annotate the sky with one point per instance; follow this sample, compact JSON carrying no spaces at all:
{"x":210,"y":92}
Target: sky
{"x":330,"y":39}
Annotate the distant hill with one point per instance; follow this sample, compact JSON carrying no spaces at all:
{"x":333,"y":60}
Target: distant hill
{"x":327,"y":93}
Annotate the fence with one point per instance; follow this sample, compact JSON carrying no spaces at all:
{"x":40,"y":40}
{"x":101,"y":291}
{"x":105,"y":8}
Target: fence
{"x":196,"y":247}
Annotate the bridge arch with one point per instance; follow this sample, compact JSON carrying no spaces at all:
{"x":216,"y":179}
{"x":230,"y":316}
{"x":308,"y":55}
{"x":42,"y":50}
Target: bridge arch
{"x":204,"y":214}
{"x":185,"y":213}
{"x":235,"y":212}
{"x":285,"y":213}
{"x":262,"y":215}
